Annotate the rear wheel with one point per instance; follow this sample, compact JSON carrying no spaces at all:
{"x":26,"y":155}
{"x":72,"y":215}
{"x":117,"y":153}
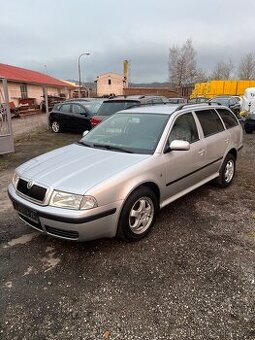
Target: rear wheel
{"x":138,"y":215}
{"x":247,"y":130}
{"x":227,"y":172}
{"x":55,"y":126}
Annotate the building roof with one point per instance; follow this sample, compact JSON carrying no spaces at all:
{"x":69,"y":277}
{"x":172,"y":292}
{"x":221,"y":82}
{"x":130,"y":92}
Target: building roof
{"x":109,"y":74}
{"x":18,"y":74}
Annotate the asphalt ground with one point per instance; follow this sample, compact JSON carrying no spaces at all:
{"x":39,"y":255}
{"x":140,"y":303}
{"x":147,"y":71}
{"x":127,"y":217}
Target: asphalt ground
{"x":193,"y":277}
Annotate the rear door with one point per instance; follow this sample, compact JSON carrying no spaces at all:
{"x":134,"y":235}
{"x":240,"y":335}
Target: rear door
{"x":216,"y":139}
{"x":233,"y":127}
{"x":80,"y":118}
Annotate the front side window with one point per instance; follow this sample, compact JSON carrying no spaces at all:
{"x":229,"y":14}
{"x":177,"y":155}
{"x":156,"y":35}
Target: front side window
{"x":184,"y":129}
{"x":228,"y":118}
{"x":210,"y":122}
{"x":65,"y":108}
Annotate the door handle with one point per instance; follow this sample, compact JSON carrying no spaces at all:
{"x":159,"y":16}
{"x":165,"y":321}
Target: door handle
{"x":201,"y":152}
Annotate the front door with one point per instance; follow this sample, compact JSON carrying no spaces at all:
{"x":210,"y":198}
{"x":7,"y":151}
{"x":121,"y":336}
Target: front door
{"x":182,"y":168}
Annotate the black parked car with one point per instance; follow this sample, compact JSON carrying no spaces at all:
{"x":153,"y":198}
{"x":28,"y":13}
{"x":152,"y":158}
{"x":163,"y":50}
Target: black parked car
{"x":73,"y":116}
{"x":249,"y":124}
{"x":119,"y":103}
{"x":232,"y":102}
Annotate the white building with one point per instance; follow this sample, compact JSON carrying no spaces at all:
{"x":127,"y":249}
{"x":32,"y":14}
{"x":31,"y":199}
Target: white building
{"x":110,"y":84}
{"x":26,"y":85}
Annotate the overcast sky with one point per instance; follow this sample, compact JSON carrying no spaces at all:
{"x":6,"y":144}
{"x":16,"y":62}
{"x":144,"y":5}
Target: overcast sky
{"x":48,"y":36}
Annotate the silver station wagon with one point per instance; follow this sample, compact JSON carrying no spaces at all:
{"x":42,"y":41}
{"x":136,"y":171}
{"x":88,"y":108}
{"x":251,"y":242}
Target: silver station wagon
{"x":120,"y":174}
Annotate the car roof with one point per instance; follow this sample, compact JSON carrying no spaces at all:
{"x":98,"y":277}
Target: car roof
{"x":157,"y":109}
{"x":169,"y":109}
{"x":127,"y":98}
{"x":222,"y":96}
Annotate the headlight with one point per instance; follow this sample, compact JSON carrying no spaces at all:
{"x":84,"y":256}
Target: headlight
{"x":15,"y":180}
{"x":72,"y":201}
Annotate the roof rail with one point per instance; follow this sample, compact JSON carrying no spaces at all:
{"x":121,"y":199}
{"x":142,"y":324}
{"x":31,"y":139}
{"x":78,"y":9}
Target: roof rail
{"x":180,"y":107}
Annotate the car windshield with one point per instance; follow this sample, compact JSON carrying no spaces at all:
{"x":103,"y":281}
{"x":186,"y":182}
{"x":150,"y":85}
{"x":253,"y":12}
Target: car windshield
{"x":222,"y":101}
{"x":111,"y":107}
{"x":93,"y":106}
{"x":128,"y":132}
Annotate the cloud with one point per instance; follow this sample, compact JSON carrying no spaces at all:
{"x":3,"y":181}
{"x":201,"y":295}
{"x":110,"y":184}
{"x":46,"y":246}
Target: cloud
{"x":49,"y":33}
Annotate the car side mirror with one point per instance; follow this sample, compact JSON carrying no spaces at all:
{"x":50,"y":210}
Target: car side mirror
{"x":179,"y":145}
{"x":85,"y":133}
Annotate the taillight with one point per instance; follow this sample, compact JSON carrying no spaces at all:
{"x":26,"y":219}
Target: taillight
{"x":95,"y":120}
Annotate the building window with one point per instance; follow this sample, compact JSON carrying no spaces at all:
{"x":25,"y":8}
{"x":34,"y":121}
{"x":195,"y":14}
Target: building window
{"x":109,"y":82}
{"x":23,"y":91}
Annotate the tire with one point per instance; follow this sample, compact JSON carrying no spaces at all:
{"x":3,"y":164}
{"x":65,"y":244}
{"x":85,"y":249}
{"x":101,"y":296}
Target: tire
{"x":143,"y":205}
{"x":247,"y":130}
{"x":55,"y":126}
{"x":227,"y":172}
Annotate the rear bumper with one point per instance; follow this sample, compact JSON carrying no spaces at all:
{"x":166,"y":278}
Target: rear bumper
{"x":67,"y":224}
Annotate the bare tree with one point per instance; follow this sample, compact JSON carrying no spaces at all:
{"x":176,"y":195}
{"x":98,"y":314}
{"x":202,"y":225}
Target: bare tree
{"x":182,"y":64}
{"x":246,"y":69}
{"x":201,"y":76}
{"x":223,"y":70}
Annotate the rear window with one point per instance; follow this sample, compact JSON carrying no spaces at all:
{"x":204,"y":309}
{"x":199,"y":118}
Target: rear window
{"x":109,"y":108}
{"x":228,"y":118}
{"x":65,"y":108}
{"x":92,"y":107}
{"x":210,"y":122}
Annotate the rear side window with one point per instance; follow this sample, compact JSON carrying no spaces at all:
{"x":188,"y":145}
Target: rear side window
{"x":65,"y":108}
{"x":210,"y":122}
{"x":228,"y":118}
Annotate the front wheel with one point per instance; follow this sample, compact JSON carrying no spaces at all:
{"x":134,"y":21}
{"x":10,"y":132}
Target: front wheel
{"x":138,"y":215}
{"x":55,"y":126}
{"x":227,"y":172}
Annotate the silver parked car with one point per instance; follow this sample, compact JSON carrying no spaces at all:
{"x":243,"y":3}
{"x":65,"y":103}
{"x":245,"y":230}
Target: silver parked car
{"x":123,"y":171}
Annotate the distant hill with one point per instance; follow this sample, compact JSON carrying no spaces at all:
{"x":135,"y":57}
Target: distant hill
{"x":153,"y":84}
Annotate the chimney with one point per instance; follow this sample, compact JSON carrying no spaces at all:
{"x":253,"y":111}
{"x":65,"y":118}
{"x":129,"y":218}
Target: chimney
{"x":125,"y":73}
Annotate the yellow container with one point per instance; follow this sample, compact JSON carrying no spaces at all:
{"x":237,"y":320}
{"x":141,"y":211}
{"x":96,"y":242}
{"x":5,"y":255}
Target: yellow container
{"x":221,"y":87}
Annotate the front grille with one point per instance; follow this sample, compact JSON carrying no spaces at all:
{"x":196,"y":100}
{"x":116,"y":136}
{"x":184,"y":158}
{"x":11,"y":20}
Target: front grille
{"x":33,"y":223}
{"x":35,"y":192}
{"x":74,"y":235}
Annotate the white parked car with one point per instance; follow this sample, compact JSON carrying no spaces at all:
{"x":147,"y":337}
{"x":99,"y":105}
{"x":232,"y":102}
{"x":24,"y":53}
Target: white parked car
{"x":124,"y":170}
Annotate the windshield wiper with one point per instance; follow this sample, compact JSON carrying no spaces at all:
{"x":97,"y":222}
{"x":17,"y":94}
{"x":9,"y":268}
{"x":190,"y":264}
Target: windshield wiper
{"x":111,"y":147}
{"x":85,"y":144}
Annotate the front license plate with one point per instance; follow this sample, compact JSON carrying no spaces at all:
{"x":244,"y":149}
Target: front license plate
{"x":29,"y":213}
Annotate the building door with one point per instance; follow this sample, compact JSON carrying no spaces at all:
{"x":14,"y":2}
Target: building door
{"x":6,"y":135}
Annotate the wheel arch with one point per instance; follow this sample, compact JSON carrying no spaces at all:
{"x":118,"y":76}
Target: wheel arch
{"x":233,"y":152}
{"x":150,"y":185}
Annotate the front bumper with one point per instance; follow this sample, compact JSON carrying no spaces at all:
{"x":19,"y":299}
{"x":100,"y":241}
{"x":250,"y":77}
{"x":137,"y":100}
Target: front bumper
{"x":68,"y":224}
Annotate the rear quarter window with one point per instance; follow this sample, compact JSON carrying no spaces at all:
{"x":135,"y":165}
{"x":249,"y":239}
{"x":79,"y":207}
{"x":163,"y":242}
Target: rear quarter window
{"x":210,"y":122}
{"x":228,"y":118}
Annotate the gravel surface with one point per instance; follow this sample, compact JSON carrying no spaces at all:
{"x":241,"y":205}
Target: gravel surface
{"x":29,"y":123}
{"x":193,"y":277}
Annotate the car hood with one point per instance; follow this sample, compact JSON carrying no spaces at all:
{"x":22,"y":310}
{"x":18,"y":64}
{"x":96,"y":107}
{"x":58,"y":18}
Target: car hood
{"x":76,"y":168}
